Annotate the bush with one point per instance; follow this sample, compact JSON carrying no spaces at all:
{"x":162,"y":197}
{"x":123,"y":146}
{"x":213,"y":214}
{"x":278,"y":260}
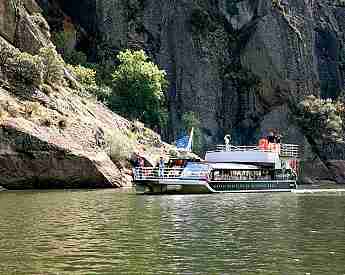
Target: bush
{"x":32,"y":108}
{"x":120,"y":146}
{"x":200,"y":20}
{"x":322,"y":119}
{"x":102,"y":93}
{"x":75,"y":57}
{"x":53,"y":63}
{"x":138,"y":86}
{"x":27,"y":68}
{"x":6,"y":52}
{"x":86,"y":76}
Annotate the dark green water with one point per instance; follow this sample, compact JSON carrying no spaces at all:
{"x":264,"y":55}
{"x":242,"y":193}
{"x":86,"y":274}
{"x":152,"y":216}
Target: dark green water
{"x":111,"y":232}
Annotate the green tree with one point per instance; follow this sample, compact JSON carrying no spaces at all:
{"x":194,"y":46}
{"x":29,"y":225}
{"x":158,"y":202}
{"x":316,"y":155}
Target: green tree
{"x":138,"y":86}
{"x":191,"y":120}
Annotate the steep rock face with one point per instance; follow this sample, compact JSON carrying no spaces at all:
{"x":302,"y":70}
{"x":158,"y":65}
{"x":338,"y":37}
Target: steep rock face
{"x":53,"y":134}
{"x":21,"y":25}
{"x":28,"y":161}
{"x":35,"y":154}
{"x":209,"y":48}
{"x":239,"y":64}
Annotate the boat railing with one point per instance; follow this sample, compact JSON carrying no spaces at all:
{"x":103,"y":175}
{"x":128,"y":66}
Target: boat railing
{"x":152,"y":173}
{"x":284,"y":150}
{"x":289,"y":150}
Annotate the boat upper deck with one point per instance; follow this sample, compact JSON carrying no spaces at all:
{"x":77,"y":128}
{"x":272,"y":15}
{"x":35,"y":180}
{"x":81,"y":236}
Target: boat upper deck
{"x":252,"y":153}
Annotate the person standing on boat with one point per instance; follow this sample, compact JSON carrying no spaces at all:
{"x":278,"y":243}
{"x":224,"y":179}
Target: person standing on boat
{"x":227,"y":140}
{"x":161,"y":167}
{"x":138,"y":165}
{"x":271,"y":137}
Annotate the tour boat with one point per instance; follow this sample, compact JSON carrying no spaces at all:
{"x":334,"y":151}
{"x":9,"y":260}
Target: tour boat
{"x":263,"y":168}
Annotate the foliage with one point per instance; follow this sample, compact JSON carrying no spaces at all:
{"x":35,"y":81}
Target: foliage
{"x":71,"y":56}
{"x":6,"y":52}
{"x":200,"y":20}
{"x":102,"y":93}
{"x":54,"y":65}
{"x":32,"y":70}
{"x":120,"y":146}
{"x":60,"y":40}
{"x":321,"y":118}
{"x":75,"y":57}
{"x":191,"y":120}
{"x":86,"y":76}
{"x":28,"y":69}
{"x":138,"y":86}
{"x":32,"y":108}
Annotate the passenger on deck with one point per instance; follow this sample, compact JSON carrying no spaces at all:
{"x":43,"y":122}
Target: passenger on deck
{"x":270,"y":137}
{"x":227,"y":140}
{"x":139,"y":164}
{"x":161,"y":167}
{"x":277,"y":137}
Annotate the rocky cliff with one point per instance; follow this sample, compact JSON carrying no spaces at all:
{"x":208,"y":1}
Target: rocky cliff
{"x":53,"y":133}
{"x":240,"y":65}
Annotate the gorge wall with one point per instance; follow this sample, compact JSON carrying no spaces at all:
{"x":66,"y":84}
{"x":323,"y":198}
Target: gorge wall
{"x":240,"y":65}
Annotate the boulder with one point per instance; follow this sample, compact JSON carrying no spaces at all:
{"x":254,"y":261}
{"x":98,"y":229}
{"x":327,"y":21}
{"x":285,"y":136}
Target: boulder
{"x":33,"y":158}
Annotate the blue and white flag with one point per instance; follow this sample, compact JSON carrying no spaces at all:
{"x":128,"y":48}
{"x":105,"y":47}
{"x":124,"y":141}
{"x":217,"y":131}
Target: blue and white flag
{"x":185,"y":142}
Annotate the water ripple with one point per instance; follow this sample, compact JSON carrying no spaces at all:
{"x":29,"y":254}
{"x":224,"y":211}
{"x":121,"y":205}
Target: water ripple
{"x":110,"y":232}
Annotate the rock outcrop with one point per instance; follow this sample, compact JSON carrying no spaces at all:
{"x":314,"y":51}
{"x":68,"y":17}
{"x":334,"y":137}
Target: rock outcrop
{"x":55,"y":135}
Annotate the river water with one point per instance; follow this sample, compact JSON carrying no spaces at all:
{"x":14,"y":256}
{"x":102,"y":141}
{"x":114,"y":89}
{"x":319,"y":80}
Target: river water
{"x":118,"y":232}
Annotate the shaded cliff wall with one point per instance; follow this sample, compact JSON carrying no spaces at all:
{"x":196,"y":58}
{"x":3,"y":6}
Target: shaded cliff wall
{"x":214,"y":50}
{"x":240,"y":65}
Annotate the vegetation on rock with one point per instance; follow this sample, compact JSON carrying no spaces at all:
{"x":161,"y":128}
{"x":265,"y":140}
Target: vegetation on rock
{"x":86,"y":76}
{"x":119,"y":145}
{"x":53,"y":65}
{"x":138,"y":86}
{"x":321,"y":118}
{"x":27,"y":69}
{"x":32,"y":70}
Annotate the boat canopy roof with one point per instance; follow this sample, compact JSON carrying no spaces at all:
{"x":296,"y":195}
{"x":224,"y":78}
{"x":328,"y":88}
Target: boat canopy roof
{"x":233,"y":166}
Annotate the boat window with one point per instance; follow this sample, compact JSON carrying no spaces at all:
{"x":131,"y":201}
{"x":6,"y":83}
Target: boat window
{"x":195,"y":170}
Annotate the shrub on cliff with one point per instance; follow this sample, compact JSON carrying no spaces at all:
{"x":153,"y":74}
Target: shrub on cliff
{"x":120,"y":146}
{"x":321,"y":118}
{"x":138,"y":86}
{"x":6,"y":52}
{"x":102,"y":93}
{"x":53,"y":65}
{"x":27,"y":69}
{"x":86,"y":76}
